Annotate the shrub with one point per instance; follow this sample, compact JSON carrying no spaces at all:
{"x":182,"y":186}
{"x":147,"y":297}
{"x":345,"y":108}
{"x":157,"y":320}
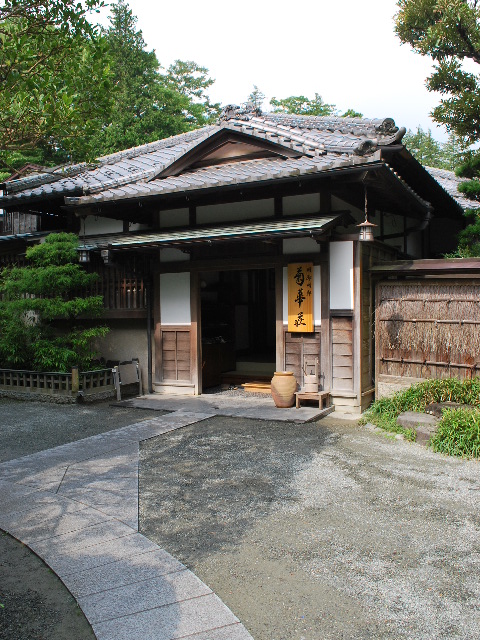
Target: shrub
{"x":384,"y":412}
{"x":458,"y":433}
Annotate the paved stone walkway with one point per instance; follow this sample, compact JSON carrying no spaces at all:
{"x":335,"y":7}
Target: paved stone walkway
{"x":76,"y":506}
{"x":222,"y":404}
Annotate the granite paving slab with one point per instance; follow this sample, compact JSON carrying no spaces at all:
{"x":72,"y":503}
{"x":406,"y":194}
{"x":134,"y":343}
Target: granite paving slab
{"x":216,"y":404}
{"x":142,"y":596}
{"x":29,"y":529}
{"x":125,"y":571}
{"x":76,"y":506}
{"x":171,"y":621}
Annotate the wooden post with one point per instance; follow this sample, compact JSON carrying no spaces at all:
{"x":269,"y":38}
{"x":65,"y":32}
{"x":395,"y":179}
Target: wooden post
{"x":280,"y":336}
{"x":157,"y":328}
{"x":325,"y":340}
{"x":75,"y":381}
{"x":195,"y":336}
{"x":357,"y":320}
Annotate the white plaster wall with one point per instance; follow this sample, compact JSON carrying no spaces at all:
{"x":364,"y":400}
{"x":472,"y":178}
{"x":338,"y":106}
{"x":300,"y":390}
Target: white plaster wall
{"x":175,"y":298}
{"x":173,"y":255}
{"x":94,"y":225}
{"x":317,"y":305}
{"x":300,"y":245}
{"x":174,"y":218}
{"x":126,"y":339}
{"x":230,"y":212}
{"x":296,"y":205}
{"x":341,"y":275}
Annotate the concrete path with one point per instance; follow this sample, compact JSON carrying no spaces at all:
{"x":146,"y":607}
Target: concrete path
{"x":222,"y":404}
{"x":76,"y":506}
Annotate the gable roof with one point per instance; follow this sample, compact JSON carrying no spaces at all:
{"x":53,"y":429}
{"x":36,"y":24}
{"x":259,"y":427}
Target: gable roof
{"x":292,"y":146}
{"x":320,"y":142}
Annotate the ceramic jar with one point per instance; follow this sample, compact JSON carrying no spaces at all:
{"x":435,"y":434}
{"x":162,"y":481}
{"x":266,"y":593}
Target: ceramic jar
{"x":283,"y":386}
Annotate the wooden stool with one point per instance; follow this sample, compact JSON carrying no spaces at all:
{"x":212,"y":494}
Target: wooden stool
{"x":321,"y":396}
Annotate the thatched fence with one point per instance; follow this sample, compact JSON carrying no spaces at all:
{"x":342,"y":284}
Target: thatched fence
{"x":426,"y":329}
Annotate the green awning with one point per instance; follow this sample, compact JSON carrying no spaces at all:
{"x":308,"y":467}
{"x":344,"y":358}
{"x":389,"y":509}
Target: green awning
{"x":267,"y":229}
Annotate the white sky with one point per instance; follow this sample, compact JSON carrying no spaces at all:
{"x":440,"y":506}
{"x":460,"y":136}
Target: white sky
{"x":345,"y":50}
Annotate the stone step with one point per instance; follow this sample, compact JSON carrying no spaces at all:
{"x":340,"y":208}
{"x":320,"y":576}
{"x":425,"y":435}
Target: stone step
{"x":257,"y":387}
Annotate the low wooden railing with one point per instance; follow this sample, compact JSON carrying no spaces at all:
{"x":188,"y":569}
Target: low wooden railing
{"x":58,"y":385}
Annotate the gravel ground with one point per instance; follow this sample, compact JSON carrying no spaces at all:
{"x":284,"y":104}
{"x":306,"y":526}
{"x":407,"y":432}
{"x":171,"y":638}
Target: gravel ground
{"x":28,"y":427}
{"x":37,"y":606}
{"x":322,"y":531}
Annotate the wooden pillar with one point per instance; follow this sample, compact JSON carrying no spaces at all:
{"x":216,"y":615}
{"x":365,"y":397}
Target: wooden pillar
{"x":196,"y":333}
{"x":280,"y":334}
{"x":157,"y":327}
{"x":75,"y":381}
{"x":357,"y":320}
{"x":325,"y":342}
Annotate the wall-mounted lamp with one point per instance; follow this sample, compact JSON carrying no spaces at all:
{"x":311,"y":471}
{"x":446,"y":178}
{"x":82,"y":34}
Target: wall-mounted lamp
{"x":83,"y":255}
{"x":107,"y":257}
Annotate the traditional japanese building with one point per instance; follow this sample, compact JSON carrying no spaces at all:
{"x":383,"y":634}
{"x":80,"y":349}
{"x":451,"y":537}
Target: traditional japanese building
{"x":244,"y":247}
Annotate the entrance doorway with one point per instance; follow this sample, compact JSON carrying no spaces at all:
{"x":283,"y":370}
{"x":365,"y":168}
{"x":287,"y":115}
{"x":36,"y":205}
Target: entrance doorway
{"x":238,"y":326}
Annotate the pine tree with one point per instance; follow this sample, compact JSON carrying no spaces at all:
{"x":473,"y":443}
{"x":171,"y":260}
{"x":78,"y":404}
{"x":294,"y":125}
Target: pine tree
{"x":52,"y":286}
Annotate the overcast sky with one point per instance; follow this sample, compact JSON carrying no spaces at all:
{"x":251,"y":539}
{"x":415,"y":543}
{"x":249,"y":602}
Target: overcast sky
{"x":345,"y":50}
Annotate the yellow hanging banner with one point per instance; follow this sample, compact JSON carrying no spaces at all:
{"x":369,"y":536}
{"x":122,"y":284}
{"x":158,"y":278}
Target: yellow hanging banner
{"x":300,"y":297}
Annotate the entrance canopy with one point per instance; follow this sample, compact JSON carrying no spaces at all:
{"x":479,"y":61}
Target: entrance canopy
{"x":267,"y":229}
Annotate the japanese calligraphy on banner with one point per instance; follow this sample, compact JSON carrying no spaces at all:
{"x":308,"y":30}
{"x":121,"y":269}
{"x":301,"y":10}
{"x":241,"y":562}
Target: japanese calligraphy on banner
{"x":300,"y":297}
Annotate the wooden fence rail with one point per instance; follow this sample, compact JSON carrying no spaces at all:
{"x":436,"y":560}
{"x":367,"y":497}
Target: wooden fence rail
{"x":60,"y":385}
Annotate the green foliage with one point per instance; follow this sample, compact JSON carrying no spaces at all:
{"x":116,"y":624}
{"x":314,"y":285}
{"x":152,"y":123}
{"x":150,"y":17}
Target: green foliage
{"x":34,"y":297}
{"x":448,"y":31}
{"x":303,"y":106}
{"x":191,"y":80}
{"x":384,"y":412}
{"x":148,"y":105}
{"x":256,"y":98}
{"x":458,"y":433}
{"x":55,"y":83}
{"x":351,"y":113}
{"x":432,"y":153}
{"x":423,"y":146}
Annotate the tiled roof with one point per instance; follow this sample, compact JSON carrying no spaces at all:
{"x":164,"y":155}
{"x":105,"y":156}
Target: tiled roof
{"x":322,"y":143}
{"x":242,"y":172}
{"x":449,"y":182}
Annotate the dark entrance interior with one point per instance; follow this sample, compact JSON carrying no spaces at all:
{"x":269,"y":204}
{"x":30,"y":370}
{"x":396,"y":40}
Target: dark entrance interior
{"x":238,"y":326}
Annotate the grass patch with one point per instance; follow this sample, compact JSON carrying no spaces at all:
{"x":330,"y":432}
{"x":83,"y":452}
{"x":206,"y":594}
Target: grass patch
{"x":456,"y":434}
